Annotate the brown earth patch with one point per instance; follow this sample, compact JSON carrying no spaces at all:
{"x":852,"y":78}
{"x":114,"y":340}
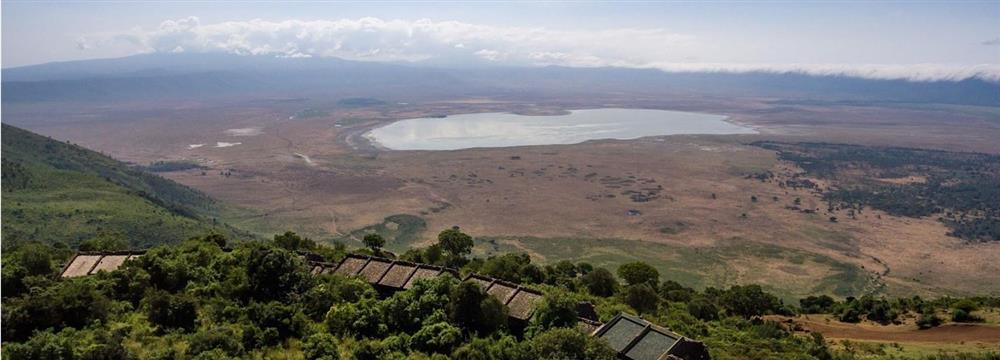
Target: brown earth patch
{"x":947,"y":333}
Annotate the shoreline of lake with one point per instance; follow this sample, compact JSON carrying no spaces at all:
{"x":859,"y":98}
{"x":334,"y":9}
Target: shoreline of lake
{"x":492,"y":130}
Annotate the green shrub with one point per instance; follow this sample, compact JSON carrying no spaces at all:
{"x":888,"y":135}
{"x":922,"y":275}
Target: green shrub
{"x":363,"y":318}
{"x":504,"y":348}
{"x":437,"y":338}
{"x":320,"y":346}
{"x":474,"y":310}
{"x":556,"y":309}
{"x":600,"y":282}
{"x":749,"y":301}
{"x":220,"y":340}
{"x":638,"y":272}
{"x":68,"y":303}
{"x":642,"y":298}
{"x":368,"y":350}
{"x":41,"y":346}
{"x":703,"y":309}
{"x":565,"y":343}
{"x":170,"y":311}
{"x":331,"y":289}
{"x":928,"y":320}
{"x":960,"y":315}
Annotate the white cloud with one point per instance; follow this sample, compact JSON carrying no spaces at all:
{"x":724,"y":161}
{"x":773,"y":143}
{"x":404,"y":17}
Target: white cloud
{"x":374,"y":39}
{"x":491,"y":55}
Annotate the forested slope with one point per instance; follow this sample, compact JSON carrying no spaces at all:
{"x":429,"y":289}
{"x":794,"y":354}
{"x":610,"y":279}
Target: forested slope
{"x":58,"y":192}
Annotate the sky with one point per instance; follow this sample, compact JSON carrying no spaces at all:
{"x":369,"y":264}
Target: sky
{"x":917,"y":40}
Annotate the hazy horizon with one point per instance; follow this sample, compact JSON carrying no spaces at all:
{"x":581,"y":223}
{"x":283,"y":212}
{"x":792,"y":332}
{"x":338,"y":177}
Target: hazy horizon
{"x":914,"y":41}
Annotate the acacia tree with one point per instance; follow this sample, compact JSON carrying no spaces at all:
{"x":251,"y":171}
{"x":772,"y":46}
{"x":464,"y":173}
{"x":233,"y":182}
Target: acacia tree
{"x":456,"y":243}
{"x":273,"y":274}
{"x":600,"y":282}
{"x":566,"y":343}
{"x":557,"y":309}
{"x":105,"y":241}
{"x":170,"y":311}
{"x":374,"y":241}
{"x":639,"y":272}
{"x":749,"y":301}
{"x":292,"y":241}
{"x":642,"y":298}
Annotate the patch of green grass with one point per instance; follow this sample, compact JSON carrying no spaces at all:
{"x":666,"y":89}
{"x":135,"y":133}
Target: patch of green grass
{"x":172,"y":165}
{"x":400,"y":231}
{"x":673,"y":229}
{"x":698,"y":267}
{"x":847,"y":280}
{"x":833,"y":240}
{"x":352,"y":121}
{"x":309,"y":113}
{"x":360,"y":102}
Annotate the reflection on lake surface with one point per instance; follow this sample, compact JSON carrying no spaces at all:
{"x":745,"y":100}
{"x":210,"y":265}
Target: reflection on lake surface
{"x":504,"y":129}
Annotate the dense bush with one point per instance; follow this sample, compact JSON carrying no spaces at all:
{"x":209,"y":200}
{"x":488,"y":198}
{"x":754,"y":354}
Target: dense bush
{"x":703,"y":309}
{"x":749,"y":301}
{"x":635,"y":273}
{"x":71,"y":303}
{"x":961,"y":189}
{"x":928,"y":320}
{"x":474,"y":310}
{"x":437,"y":338}
{"x":642,"y":298}
{"x":600,"y":282}
{"x":563,"y":343}
{"x":42,"y":346}
{"x":556,"y":309}
{"x":194,"y":300}
{"x":222,"y":339}
{"x":170,"y":311}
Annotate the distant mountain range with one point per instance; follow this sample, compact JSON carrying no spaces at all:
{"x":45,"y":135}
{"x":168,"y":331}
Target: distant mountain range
{"x":185,"y":76}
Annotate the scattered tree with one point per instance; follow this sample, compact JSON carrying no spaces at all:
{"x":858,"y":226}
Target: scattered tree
{"x":600,"y":282}
{"x":642,"y":298}
{"x":374,"y":241}
{"x":456,"y":243}
{"x":638,"y":272}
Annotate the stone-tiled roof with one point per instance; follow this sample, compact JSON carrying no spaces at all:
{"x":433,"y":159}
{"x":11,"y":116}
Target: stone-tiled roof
{"x":387,"y":273}
{"x":397,"y":275}
{"x":376,"y":267}
{"x":520,"y":301}
{"x":319,"y":267}
{"x":637,"y":339}
{"x":351,"y":266}
{"x":423,"y":272}
{"x":88,"y":263}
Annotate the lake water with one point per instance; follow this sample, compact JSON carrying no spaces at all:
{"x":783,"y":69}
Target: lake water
{"x":505,"y":129}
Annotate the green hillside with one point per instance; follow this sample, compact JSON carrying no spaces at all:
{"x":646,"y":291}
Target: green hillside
{"x":58,"y":192}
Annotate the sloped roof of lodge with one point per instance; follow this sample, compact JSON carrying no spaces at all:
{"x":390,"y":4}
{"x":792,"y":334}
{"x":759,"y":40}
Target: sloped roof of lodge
{"x":637,"y":339}
{"x":388,"y":273}
{"x":91,"y":262}
{"x":632,"y":337}
{"x":521,"y":301}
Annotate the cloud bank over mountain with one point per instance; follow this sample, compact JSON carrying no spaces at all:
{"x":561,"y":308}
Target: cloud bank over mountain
{"x":461,"y":43}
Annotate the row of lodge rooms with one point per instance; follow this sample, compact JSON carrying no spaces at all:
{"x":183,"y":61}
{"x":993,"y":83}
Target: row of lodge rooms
{"x":631,"y":336}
